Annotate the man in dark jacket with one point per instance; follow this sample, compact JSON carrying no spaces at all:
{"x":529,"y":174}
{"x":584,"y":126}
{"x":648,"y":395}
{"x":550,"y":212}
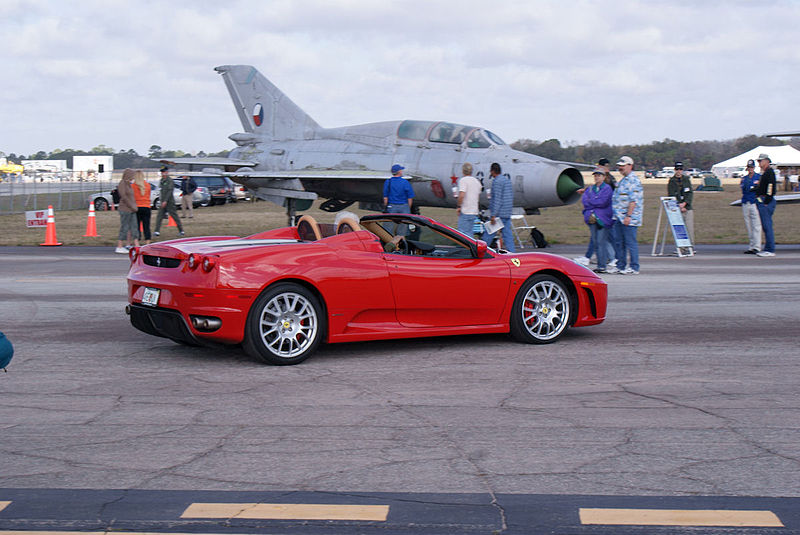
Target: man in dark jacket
{"x":765,"y":202}
{"x":680,"y":187}
{"x":167,"y":202}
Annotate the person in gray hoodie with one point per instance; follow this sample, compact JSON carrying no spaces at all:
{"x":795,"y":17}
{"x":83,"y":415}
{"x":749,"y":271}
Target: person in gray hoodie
{"x":128,"y":226}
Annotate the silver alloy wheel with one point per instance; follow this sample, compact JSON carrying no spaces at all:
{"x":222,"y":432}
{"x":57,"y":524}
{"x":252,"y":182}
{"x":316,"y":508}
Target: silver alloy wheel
{"x":288,"y":324}
{"x":545,"y":310}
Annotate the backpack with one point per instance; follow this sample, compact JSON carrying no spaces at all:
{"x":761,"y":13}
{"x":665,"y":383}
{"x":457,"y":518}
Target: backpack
{"x":537,"y":238}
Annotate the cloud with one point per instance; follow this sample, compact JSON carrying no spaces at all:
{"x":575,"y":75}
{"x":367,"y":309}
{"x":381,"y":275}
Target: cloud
{"x":132,"y":74}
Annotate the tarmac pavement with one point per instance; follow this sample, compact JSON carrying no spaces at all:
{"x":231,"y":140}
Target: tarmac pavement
{"x":687,"y":395}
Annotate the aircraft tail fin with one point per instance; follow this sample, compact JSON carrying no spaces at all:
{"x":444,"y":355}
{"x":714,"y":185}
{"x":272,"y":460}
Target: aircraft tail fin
{"x":263,"y":109}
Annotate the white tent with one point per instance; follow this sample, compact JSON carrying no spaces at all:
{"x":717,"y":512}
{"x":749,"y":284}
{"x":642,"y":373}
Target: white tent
{"x":781,"y":156}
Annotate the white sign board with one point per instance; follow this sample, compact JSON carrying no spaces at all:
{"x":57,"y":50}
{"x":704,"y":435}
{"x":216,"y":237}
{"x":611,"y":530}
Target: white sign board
{"x":676,"y":222}
{"x":36,"y":218}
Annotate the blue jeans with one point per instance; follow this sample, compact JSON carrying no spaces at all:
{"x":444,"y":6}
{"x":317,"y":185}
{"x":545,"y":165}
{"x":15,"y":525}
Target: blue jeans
{"x":627,"y":244}
{"x":466,"y":222}
{"x":600,"y":239}
{"x":613,"y":240}
{"x":765,"y":212}
{"x":402,"y":229}
{"x":508,"y":235}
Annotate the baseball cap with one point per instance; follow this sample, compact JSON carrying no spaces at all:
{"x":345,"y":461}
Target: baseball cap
{"x":603,"y":161}
{"x":763,"y":156}
{"x":599,"y":171}
{"x":396,"y":168}
{"x":625,"y":160}
{"x":164,"y":168}
{"x":678,"y":165}
{"x":751,"y":163}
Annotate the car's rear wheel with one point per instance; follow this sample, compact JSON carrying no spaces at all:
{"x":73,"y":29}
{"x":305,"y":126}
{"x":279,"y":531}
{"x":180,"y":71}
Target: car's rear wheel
{"x":285,"y":325}
{"x":100,"y":204}
{"x":541,"y":310}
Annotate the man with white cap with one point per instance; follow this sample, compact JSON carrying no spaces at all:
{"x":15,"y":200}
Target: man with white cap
{"x":765,"y":201}
{"x":628,"y":206}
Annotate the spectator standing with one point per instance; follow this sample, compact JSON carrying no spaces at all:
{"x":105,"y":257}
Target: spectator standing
{"x":752,"y":221}
{"x":680,"y":187}
{"x":128,"y":226}
{"x":765,"y":201}
{"x":167,"y":202}
{"x":141,"y":194}
{"x":611,"y":267}
{"x":469,"y":192}
{"x":398,"y":195}
{"x":500,"y":206}
{"x":188,"y":186}
{"x":597,"y":214}
{"x":628,"y":206}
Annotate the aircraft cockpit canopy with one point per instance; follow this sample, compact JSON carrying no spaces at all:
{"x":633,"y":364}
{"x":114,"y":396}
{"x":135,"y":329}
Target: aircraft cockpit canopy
{"x":476,"y":138}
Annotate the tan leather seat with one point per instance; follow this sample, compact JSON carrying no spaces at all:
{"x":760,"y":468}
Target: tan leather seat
{"x":308,"y":229}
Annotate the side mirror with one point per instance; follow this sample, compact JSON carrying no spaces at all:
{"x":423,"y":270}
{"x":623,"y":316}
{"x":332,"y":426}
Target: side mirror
{"x":481,"y":248}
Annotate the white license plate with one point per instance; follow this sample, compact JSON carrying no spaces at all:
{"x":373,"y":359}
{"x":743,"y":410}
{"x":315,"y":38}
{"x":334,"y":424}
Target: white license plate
{"x":150,"y":296}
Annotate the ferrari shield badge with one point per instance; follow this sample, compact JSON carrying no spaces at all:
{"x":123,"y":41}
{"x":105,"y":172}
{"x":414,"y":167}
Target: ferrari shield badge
{"x":516,"y":262}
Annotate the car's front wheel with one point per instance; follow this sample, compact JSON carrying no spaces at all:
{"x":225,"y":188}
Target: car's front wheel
{"x":541,"y":310}
{"x":285,"y":325}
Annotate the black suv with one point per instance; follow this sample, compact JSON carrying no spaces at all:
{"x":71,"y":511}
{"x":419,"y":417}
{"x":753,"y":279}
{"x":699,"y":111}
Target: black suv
{"x":218,"y":187}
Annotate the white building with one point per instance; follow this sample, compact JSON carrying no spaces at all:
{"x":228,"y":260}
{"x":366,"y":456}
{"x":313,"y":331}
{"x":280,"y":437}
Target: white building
{"x":95,"y":166}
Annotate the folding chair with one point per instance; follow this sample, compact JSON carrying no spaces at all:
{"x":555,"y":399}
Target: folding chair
{"x":519,"y":226}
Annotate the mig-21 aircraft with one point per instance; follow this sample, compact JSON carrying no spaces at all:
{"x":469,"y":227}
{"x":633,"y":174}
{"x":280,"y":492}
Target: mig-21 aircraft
{"x":285,"y":157}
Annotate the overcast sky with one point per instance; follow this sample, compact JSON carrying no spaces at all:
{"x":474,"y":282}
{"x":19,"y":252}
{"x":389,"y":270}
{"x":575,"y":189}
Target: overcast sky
{"x":130,"y":74}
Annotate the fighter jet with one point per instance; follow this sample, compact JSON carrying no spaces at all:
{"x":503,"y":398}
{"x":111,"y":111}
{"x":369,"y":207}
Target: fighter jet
{"x":286,"y":157}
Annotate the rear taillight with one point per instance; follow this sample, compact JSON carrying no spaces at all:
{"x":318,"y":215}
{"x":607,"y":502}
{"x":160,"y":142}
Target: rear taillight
{"x":192,"y":261}
{"x":133,"y":254}
{"x":208,"y":263}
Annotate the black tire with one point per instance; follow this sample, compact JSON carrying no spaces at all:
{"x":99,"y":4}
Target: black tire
{"x":542,"y":310}
{"x":155,"y":203}
{"x":100,"y":204}
{"x":285,"y":325}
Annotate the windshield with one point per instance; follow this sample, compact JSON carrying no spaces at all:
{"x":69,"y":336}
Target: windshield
{"x":495,"y":138}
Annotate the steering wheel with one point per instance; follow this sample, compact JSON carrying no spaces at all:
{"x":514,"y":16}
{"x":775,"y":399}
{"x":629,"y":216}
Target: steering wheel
{"x":402,"y":246}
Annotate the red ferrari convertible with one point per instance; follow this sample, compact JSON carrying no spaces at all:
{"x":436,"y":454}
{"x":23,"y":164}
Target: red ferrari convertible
{"x":282,"y":292}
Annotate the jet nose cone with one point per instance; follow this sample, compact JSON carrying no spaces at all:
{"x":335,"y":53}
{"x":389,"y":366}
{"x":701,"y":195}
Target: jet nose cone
{"x":567,"y":185}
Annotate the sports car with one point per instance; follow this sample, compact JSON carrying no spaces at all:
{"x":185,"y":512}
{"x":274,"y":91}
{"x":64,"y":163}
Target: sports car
{"x":283,"y":292}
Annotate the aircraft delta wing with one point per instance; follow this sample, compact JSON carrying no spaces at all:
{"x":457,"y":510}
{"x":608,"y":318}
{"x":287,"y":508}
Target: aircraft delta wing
{"x":285,"y":157}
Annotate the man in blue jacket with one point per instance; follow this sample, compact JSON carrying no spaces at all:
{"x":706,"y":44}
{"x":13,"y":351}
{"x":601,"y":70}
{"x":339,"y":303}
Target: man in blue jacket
{"x":500,"y":206}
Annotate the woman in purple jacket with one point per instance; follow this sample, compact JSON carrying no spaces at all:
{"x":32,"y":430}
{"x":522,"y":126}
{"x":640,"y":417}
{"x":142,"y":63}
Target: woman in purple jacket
{"x":598,"y":215}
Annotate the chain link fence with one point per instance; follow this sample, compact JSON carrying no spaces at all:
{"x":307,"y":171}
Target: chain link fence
{"x":19,"y":197}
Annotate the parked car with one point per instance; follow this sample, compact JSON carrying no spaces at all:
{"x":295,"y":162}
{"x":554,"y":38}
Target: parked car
{"x":650,"y":173}
{"x":281,"y":293}
{"x":200,"y":197}
{"x":692,"y":172}
{"x":218,"y":187}
{"x":240,"y":193}
{"x":104,"y":200}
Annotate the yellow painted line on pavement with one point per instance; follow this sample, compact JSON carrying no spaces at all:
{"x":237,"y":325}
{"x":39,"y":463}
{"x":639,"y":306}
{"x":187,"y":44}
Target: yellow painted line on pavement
{"x":287,"y":511}
{"x":680,"y":517}
{"x":3,"y":505}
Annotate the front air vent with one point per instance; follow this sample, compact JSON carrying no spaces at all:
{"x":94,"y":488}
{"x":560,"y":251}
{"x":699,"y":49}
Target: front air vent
{"x":161,"y":261}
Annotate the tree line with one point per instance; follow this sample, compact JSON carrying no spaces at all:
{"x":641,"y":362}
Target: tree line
{"x":654,"y":155}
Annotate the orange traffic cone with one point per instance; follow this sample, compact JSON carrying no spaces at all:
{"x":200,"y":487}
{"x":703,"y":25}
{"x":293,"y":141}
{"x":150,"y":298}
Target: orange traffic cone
{"x":172,"y":222}
{"x":91,"y":224}
{"x":50,"y":234}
